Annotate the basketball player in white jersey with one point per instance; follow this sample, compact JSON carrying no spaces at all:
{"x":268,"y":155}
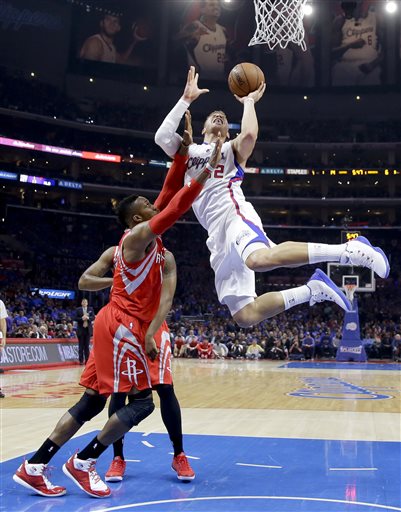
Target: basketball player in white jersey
{"x":205,"y":41}
{"x":100,"y":47}
{"x":356,"y":46}
{"x":237,"y":243}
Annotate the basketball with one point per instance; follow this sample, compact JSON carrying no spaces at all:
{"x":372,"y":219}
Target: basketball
{"x":245,"y":78}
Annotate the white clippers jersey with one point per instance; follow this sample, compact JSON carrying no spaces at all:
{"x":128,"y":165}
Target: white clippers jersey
{"x":362,"y":28}
{"x":209,"y":54}
{"x":222,"y":196}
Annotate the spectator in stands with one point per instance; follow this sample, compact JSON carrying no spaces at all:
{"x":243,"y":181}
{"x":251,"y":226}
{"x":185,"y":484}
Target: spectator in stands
{"x":20,"y":318}
{"x":236,"y":351}
{"x":254,"y":351}
{"x":375,"y":349}
{"x":220,"y":350}
{"x":191,"y":345}
{"x":278,"y":351}
{"x":308,"y":346}
{"x":84,"y":317}
{"x":295,"y":351}
{"x":387,"y":348}
{"x":396,"y":344}
{"x":325,"y":347}
{"x":205,"y":349}
{"x":179,"y":346}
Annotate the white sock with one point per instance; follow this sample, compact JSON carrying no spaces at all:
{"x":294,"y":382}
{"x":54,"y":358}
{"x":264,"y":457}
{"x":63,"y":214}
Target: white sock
{"x":325,"y":252}
{"x":295,"y":296}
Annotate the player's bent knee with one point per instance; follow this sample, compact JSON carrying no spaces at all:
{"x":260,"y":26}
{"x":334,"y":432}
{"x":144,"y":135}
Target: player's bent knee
{"x":259,"y":259}
{"x":243,"y":319}
{"x":88,"y":407}
{"x":136,"y":410}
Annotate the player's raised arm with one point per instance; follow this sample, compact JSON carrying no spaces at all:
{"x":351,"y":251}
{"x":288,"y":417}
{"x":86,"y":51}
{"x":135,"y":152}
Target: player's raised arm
{"x":148,"y":228}
{"x":93,"y":278}
{"x":175,"y":176}
{"x":166,"y":301}
{"x":166,"y":136}
{"x":244,"y":144}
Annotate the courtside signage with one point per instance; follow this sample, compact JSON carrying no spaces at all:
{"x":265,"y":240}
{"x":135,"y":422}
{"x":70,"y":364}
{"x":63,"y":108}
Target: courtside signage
{"x":55,"y":294}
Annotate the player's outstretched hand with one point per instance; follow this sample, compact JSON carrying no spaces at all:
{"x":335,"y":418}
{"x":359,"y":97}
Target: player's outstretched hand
{"x":187,"y":139}
{"x":192,"y":91}
{"x":216,"y":155}
{"x":150,"y":347}
{"x":255,"y":95}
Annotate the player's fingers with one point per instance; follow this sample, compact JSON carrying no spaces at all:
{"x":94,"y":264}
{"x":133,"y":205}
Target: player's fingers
{"x":204,"y":91}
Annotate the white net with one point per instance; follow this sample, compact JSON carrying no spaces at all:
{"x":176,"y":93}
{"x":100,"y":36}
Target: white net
{"x":350,"y":291}
{"x":279,"y":22}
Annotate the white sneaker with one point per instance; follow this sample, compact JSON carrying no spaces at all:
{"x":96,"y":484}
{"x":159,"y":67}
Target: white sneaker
{"x":33,"y":477}
{"x":84,"y":474}
{"x":323,"y":288}
{"x":361,"y":253}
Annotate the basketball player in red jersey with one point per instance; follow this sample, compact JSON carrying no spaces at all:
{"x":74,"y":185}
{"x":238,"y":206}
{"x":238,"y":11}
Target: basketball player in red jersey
{"x":119,"y":339}
{"x":93,"y":280}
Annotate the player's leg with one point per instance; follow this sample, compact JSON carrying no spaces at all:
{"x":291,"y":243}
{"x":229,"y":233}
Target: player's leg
{"x":358,"y":252}
{"x":32,"y":472}
{"x":115,"y":374}
{"x":81,"y":467}
{"x":247,"y":311}
{"x":162,"y":382}
{"x":116,"y":470}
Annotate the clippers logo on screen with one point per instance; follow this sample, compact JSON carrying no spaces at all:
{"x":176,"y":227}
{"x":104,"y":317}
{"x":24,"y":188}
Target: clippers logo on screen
{"x":347,"y":236}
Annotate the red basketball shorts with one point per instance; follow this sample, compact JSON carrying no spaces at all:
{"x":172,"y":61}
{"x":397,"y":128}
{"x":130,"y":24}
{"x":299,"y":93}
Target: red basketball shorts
{"x":118,"y":361}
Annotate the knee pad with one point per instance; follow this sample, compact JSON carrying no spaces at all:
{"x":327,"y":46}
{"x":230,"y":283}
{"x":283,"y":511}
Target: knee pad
{"x":136,"y":410}
{"x":87,"y":408}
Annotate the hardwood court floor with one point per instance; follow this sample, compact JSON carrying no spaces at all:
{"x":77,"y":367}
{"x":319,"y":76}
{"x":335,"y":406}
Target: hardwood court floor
{"x":231,"y":398}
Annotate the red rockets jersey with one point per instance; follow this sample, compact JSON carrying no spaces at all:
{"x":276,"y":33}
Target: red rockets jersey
{"x":137,"y":286}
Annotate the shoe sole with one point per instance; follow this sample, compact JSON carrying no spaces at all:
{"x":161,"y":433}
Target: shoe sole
{"x":365,"y":241}
{"x":113,"y":478}
{"x":67,"y":473}
{"x":22,"y":482}
{"x":183,"y":478}
{"x":326,"y":279}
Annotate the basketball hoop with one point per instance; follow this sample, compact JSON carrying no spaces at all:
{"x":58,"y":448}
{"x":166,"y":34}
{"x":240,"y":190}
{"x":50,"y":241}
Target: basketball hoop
{"x":349,"y":291}
{"x":279,"y":22}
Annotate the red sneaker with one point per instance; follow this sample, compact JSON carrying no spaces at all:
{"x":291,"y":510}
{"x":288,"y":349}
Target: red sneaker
{"x":181,"y":466}
{"x":33,"y":477}
{"x":116,"y":470}
{"x":84,"y":474}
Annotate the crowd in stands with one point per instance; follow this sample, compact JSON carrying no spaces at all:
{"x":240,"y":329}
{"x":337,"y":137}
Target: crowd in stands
{"x":298,"y":334}
{"x":29,"y":94}
{"x":58,"y":249}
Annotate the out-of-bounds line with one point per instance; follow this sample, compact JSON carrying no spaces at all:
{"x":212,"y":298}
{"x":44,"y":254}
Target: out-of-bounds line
{"x":257,"y":465}
{"x":221,"y":498}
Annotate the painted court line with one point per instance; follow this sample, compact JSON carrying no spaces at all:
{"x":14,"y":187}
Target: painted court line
{"x":146,"y":443}
{"x":353,"y":469}
{"x":257,"y":465}
{"x":351,"y":504}
{"x":187,"y":456}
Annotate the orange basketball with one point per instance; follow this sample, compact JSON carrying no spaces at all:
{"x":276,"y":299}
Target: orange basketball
{"x":245,"y":78}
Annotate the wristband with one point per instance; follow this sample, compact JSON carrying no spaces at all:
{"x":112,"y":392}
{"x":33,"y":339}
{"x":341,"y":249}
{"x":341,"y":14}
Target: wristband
{"x":250,"y":99}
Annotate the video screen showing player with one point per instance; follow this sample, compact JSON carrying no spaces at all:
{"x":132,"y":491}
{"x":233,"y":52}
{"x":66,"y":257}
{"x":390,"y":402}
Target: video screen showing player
{"x":119,"y":33}
{"x":357,"y":43}
{"x":211,"y":35}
